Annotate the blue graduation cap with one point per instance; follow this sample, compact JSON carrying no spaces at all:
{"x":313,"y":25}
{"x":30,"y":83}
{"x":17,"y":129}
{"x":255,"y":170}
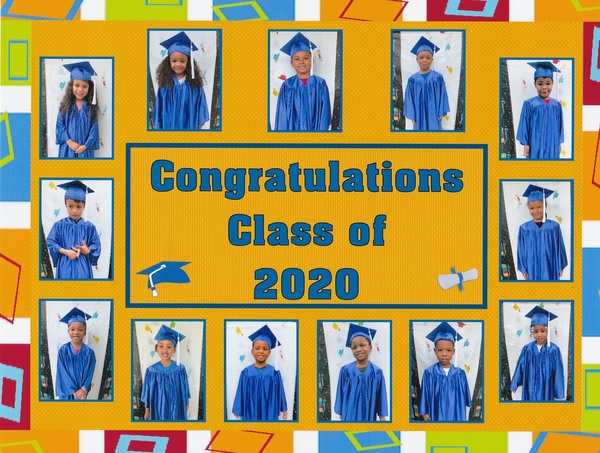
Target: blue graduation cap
{"x":75,"y":315}
{"x":539,"y":316}
{"x":298,"y":43}
{"x":536,"y":193}
{"x":165,"y":272}
{"x":75,"y":190}
{"x":179,"y":43}
{"x":81,"y":70}
{"x":354,"y":330}
{"x":166,"y":333}
{"x":444,"y":331}
{"x":265,"y":334}
{"x":543,"y":69}
{"x":424,"y":44}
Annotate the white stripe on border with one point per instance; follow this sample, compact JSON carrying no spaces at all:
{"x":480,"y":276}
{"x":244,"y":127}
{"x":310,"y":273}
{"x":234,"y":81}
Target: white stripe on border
{"x":590,"y":230}
{"x":15,"y":215}
{"x":415,"y":11}
{"x":521,"y":11}
{"x":199,"y":10}
{"x":413,"y":441}
{"x":91,"y":441}
{"x":591,"y":113}
{"x":15,"y":99}
{"x":307,"y":9}
{"x":306,"y":441}
{"x":519,"y":441}
{"x":198,"y":440}
{"x":17,"y":333}
{"x":93,"y":10}
{"x":590,"y":350}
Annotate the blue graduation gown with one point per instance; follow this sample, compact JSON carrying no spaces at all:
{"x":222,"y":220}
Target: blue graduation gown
{"x":76,"y":124}
{"x":445,"y":397}
{"x":361,"y":396}
{"x":303,"y":107}
{"x":66,"y":233}
{"x":166,"y":393}
{"x":425,"y":100}
{"x":180,"y":108}
{"x":541,"y":128}
{"x":74,"y":370}
{"x":260,"y":394}
{"x":541,"y":251}
{"x":540,"y":373}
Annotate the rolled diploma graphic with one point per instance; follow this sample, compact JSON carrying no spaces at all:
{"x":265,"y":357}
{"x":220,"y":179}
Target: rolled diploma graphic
{"x":449,"y":280}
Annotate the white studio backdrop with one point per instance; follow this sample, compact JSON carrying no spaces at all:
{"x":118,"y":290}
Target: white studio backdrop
{"x":189,"y":349}
{"x":558,"y":209}
{"x":338,"y":355}
{"x":446,"y":61}
{"x":98,"y":210}
{"x":97,"y":333}
{"x":517,"y":334}
{"x":205,"y":56}
{"x":57,"y":78}
{"x":522,"y":87}
{"x":238,"y":356}
{"x":467,"y":353}
{"x":280,"y":69}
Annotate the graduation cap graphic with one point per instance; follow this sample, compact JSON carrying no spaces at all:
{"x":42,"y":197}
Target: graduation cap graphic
{"x":165,"y":272}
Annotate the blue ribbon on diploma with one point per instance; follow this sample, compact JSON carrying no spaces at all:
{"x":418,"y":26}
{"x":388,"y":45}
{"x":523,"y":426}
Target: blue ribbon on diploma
{"x":460,"y":278}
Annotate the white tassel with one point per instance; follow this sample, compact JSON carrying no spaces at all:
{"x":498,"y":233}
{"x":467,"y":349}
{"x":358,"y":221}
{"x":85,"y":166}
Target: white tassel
{"x":94,"y":79}
{"x":192,"y":59}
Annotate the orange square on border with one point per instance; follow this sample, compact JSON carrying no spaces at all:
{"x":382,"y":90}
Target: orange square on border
{"x":568,"y":442}
{"x":250,"y":442}
{"x":14,"y":244}
{"x":56,"y":9}
{"x":371,"y":10}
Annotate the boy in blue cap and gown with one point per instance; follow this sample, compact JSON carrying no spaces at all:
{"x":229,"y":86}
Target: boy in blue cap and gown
{"x":540,"y":367}
{"x":76,"y":360}
{"x":73,"y":242}
{"x":166,"y":391}
{"x":445,"y":393}
{"x":541,"y":127}
{"x":260,"y":395}
{"x":77,"y":122}
{"x":425,"y":98}
{"x":180,"y":102}
{"x":303,"y":101}
{"x":541,"y":253}
{"x":361,"y":394}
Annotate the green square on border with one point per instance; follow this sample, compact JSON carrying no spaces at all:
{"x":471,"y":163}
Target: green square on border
{"x":471,"y":441}
{"x":449,"y":449}
{"x":139,"y":10}
{"x":260,"y":14}
{"x":394,"y":441}
{"x":18,"y":32}
{"x":163,"y":2}
{"x":592,"y":389}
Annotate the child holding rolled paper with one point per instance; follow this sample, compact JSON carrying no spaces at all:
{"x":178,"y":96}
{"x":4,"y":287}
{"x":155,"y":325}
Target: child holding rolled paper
{"x":445,"y":393}
{"x":166,"y":390}
{"x":541,"y":253}
{"x":361,"y":394}
{"x":540,"y":368}
{"x":260,"y":395}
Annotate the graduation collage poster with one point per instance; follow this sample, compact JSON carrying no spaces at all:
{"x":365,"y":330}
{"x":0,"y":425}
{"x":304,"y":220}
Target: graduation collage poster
{"x":300,"y":226}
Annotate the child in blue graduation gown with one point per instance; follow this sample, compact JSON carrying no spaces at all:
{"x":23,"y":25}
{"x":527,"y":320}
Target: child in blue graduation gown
{"x":76,"y":361}
{"x":540,"y":367}
{"x":180,"y":102}
{"x":166,"y":391}
{"x":541,"y":127}
{"x":77,"y":121}
{"x":445,"y":393}
{"x":260,"y":395}
{"x":426,"y":99}
{"x":303,"y":101}
{"x":73,"y":242}
{"x":541,"y":253}
{"x":361,"y":394}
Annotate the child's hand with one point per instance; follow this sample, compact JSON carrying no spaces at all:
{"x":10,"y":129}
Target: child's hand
{"x":83,"y":248}
{"x":414,"y":122}
{"x":526,"y":276}
{"x":200,"y":126}
{"x":526,"y":150}
{"x":382,"y":418}
{"x":560,"y":274}
{"x":73,"y":144}
{"x":236,"y":416}
{"x":80,"y":394}
{"x":80,"y":149}
{"x":426,"y":417}
{"x":147,"y":414}
{"x":72,"y":254}
{"x":284,"y":415}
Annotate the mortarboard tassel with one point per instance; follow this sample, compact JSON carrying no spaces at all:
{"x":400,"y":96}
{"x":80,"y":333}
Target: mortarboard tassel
{"x":94,"y":79}
{"x":544,"y":211}
{"x":178,"y":348}
{"x":192,"y":59}
{"x":152,"y":287}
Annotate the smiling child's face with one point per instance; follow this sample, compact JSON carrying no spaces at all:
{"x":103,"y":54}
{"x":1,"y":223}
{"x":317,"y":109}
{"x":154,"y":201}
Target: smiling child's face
{"x":540,"y":334}
{"x":424,"y":59}
{"x":536,"y":210}
{"x":80,"y":89}
{"x":361,"y":348}
{"x":178,"y":63}
{"x":165,"y":350}
{"x":302,"y":62}
{"x":77,"y":332}
{"x":260,"y":351}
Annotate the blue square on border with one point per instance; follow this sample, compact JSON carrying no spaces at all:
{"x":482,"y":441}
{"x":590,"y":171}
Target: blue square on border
{"x":273,"y":9}
{"x":160,"y":443}
{"x":453,"y":9}
{"x":15,"y":374}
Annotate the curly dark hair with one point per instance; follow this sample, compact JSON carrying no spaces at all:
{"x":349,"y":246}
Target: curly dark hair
{"x":68,"y":100}
{"x":164,"y":74}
